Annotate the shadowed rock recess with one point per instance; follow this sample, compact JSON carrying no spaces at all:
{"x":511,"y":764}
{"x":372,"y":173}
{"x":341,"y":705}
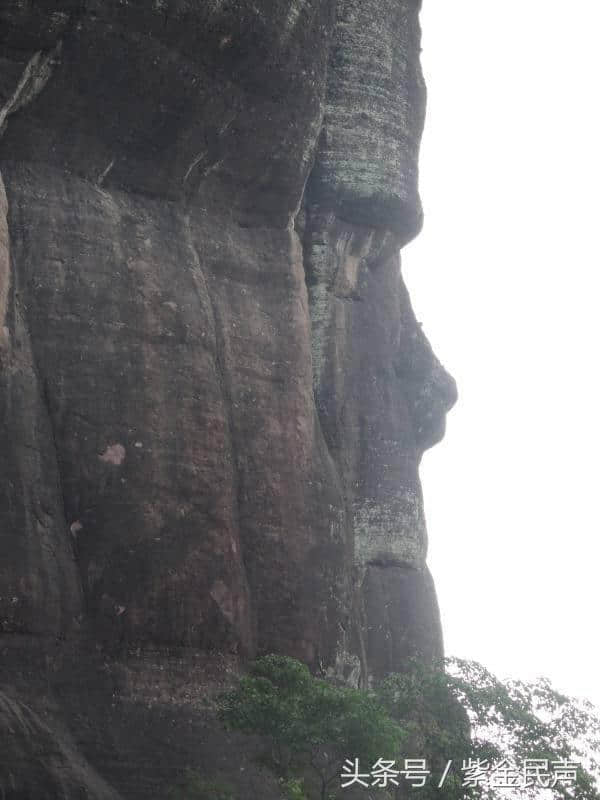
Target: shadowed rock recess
{"x":214,"y":395}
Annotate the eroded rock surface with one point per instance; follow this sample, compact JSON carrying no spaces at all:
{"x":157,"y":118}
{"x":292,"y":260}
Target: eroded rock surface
{"x":38,"y":763}
{"x":214,"y":395}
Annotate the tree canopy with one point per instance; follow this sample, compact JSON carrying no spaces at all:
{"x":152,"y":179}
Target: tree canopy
{"x":480,"y":734}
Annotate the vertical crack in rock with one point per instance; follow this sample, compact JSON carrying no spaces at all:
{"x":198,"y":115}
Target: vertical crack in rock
{"x":61,"y":494}
{"x":4,"y":271}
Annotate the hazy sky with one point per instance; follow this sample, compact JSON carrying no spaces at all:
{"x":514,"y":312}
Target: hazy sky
{"x":505,"y":279}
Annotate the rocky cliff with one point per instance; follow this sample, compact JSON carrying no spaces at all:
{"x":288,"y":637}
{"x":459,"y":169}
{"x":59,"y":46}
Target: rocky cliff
{"x":214,"y":395}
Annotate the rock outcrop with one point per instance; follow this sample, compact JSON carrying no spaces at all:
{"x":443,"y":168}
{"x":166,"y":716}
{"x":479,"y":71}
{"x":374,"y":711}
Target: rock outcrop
{"x":214,"y":394}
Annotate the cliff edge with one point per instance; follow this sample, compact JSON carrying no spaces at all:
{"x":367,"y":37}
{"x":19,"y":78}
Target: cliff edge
{"x":214,"y":394}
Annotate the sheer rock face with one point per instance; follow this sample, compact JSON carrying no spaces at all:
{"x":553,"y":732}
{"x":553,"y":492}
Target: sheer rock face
{"x":57,"y":771}
{"x":213,"y":391}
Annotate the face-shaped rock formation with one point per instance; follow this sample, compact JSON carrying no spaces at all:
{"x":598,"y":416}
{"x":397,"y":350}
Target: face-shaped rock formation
{"x":214,"y":395}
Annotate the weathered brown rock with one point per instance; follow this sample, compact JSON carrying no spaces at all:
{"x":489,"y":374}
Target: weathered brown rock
{"x":38,"y":762}
{"x":214,"y":395}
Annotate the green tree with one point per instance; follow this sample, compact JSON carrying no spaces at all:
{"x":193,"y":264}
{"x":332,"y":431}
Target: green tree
{"x":453,"y":710}
{"x":308,"y":721}
{"x":459,"y":710}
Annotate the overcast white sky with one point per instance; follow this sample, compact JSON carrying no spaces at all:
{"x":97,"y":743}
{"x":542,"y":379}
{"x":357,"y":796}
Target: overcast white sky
{"x":505,"y":278}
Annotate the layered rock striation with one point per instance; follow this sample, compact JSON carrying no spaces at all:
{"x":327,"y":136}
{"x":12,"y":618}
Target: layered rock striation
{"x":214,"y":394}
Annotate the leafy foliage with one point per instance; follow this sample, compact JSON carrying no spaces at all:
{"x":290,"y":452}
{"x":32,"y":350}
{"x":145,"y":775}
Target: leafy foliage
{"x":453,"y":709}
{"x":457,"y":709}
{"x":194,"y":787}
{"x":308,"y":720}
{"x":436,"y":723}
{"x":293,"y":789}
{"x":519,"y":720}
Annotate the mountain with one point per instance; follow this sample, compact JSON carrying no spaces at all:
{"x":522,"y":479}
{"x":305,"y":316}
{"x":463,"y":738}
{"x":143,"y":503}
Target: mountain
{"x":214,"y":394}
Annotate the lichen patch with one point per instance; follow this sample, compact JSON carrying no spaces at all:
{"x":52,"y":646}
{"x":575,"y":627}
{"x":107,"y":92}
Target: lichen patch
{"x":114,"y":454}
